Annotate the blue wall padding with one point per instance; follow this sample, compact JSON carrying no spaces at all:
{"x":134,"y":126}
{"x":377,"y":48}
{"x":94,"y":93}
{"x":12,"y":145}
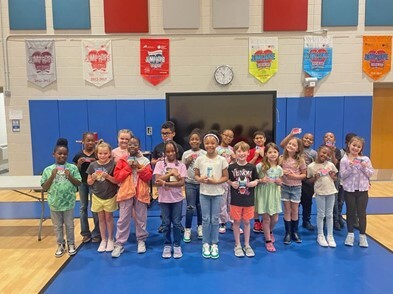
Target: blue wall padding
{"x":71,"y":14}
{"x":27,"y":14}
{"x":340,"y":13}
{"x":379,"y":13}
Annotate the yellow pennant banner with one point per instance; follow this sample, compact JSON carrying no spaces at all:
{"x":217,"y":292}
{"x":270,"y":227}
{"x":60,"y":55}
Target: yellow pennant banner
{"x":377,"y":56}
{"x":263,"y":58}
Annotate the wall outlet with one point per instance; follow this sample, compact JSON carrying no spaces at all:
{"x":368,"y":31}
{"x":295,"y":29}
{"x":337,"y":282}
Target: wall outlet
{"x":7,"y":93}
{"x":149,"y":131}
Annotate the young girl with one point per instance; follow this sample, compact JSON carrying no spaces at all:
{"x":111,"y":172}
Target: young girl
{"x":123,"y":136}
{"x":192,"y":186}
{"x":61,"y":180}
{"x":134,"y":175}
{"x":82,"y":160}
{"x":169,"y":177}
{"x":104,"y":189}
{"x":355,"y":172}
{"x":226,"y":151}
{"x":267,"y":193}
{"x":294,"y":169}
{"x":323,"y":174}
{"x":211,"y":171}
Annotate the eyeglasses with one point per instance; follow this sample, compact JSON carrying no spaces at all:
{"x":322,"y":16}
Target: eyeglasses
{"x":166,"y":133}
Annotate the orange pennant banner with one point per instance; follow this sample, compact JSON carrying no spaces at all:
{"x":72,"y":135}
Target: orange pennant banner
{"x":377,"y":55}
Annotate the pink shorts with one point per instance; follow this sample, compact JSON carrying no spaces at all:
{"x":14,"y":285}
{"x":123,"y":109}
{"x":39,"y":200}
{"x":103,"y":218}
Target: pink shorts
{"x":239,"y":212}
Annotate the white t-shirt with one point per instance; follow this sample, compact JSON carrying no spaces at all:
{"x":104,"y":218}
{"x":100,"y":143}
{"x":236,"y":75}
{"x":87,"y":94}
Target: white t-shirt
{"x":325,"y":184}
{"x":190,"y":171}
{"x":212,"y":168}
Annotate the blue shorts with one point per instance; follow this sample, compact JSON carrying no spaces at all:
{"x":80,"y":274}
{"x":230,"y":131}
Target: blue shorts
{"x":291,"y":193}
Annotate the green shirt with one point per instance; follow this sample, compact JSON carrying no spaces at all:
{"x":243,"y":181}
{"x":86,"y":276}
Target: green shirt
{"x":61,"y":194}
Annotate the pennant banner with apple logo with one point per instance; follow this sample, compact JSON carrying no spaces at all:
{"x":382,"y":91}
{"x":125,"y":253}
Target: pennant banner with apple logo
{"x":377,"y":55}
{"x":154,"y":60}
{"x":41,"y":62}
{"x":317,"y":56}
{"x":97,"y":61}
{"x":263,"y":58}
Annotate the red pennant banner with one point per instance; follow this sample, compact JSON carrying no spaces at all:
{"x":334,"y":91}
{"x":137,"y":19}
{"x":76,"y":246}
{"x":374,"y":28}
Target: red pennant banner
{"x":154,"y":60}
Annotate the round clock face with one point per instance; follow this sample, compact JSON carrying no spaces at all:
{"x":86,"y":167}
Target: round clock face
{"x":223,"y":75}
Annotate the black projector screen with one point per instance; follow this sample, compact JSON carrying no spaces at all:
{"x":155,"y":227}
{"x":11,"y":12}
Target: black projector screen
{"x":242,"y":112}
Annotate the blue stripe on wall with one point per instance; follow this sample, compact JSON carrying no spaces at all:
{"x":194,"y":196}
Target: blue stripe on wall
{"x":71,"y":14}
{"x":27,"y":14}
{"x":340,"y":13}
{"x":379,"y":13}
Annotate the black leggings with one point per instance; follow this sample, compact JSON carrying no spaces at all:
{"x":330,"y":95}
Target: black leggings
{"x":356,"y":202}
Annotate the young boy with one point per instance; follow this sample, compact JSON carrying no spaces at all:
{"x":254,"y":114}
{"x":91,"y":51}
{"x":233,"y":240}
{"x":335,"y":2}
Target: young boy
{"x":255,"y":157}
{"x":243,"y":178}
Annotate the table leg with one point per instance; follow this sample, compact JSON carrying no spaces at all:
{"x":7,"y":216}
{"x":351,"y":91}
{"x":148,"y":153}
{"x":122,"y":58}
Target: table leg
{"x":42,"y":215}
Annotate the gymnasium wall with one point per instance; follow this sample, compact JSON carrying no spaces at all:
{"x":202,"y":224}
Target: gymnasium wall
{"x":194,"y":54}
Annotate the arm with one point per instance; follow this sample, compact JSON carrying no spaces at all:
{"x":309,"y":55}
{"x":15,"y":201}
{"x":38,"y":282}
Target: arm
{"x":345,"y":168}
{"x":367,"y":168}
{"x":122,"y":170}
{"x":145,"y":173}
{"x":71,"y":178}
{"x":49,"y":181}
{"x":285,"y":141}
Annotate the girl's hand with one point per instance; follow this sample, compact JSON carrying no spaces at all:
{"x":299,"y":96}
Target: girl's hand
{"x":317,"y":176}
{"x":105,"y":175}
{"x":94,"y":176}
{"x":264,"y":180}
{"x":235,"y":185}
{"x":189,"y":160}
{"x":278,"y":181}
{"x":204,"y":179}
{"x":364,"y":164}
{"x":80,"y":161}
{"x":332,"y":175}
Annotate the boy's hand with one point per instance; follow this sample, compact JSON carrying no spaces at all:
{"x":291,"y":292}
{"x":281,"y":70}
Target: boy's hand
{"x":235,"y":185}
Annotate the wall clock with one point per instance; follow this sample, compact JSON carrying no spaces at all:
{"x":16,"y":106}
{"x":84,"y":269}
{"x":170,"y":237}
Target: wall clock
{"x":223,"y":75}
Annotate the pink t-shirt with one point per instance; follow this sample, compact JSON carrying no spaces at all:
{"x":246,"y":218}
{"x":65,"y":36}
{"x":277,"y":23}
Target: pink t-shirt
{"x":118,"y":153}
{"x":170,"y":194}
{"x":293,"y":165}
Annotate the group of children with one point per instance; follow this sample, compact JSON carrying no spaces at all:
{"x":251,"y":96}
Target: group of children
{"x":222,"y":184}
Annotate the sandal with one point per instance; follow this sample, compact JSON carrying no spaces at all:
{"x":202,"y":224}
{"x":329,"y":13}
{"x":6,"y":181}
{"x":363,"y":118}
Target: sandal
{"x":270,"y":247}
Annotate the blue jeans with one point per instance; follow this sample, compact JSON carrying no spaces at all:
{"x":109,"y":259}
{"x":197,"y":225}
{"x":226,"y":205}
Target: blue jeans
{"x":210,"y":206}
{"x":193,"y":202}
{"x":61,"y":219}
{"x":171,"y":214}
{"x":84,"y":195}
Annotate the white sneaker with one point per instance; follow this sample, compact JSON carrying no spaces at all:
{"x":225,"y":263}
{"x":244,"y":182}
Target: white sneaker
{"x":214,"y":251}
{"x":206,"y":250}
{"x":222,"y":229}
{"x":187,"y":235}
{"x":238,"y":251}
{"x":350,"y":239}
{"x":167,"y":252}
{"x":110,"y":245}
{"x":71,"y":249}
{"x":200,"y":232}
{"x":322,"y":241}
{"x":331,"y":241}
{"x":102,"y":246}
{"x":363,"y":241}
{"x":117,"y":251}
{"x":60,"y":250}
{"x":141,"y":246}
{"x":177,"y":252}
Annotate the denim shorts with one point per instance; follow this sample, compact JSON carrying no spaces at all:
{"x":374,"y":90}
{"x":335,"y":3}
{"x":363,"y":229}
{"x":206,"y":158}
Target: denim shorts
{"x":291,"y":193}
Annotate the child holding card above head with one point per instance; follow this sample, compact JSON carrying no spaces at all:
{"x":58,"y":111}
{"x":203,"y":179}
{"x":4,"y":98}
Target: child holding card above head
{"x":123,"y":136}
{"x":355,"y":173}
{"x":323,"y":174}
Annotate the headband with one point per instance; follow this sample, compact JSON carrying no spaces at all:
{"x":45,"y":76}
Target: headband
{"x":211,"y":135}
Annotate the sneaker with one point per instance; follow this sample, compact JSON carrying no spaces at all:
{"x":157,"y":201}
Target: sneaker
{"x":331,"y":241}
{"x":187,"y":236}
{"x":86,"y":239}
{"x":337,"y":226}
{"x":60,"y":250}
{"x":71,"y":249}
{"x":102,"y":246}
{"x":117,"y":251}
{"x":249,"y":252}
{"x":206,"y":250}
{"x":177,"y":252}
{"x":222,"y":229}
{"x":322,"y":241}
{"x":110,"y":245}
{"x":270,"y":247}
{"x":238,"y":251}
{"x":363,"y":241}
{"x":241,"y":231}
{"x":257,"y":227}
{"x":167,"y":252}
{"x":141,"y":246}
{"x":214,"y":252}
{"x":350,"y":239}
{"x":200,"y":232}
{"x":307,"y":225}
{"x":96,"y":239}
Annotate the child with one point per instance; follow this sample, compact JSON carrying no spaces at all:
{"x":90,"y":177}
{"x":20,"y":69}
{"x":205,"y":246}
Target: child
{"x":255,"y":157}
{"x":192,"y":186}
{"x":61,"y":180}
{"x":211,"y":171}
{"x":267,"y":193}
{"x":355,"y":172}
{"x":309,"y":155}
{"x":294,"y":168}
{"x":123,"y":137}
{"x":104,"y":189}
{"x":242,"y":179}
{"x":226,"y":151}
{"x":169,"y":177}
{"x":82,"y":160}
{"x":323,"y":174}
{"x":133,"y":174}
